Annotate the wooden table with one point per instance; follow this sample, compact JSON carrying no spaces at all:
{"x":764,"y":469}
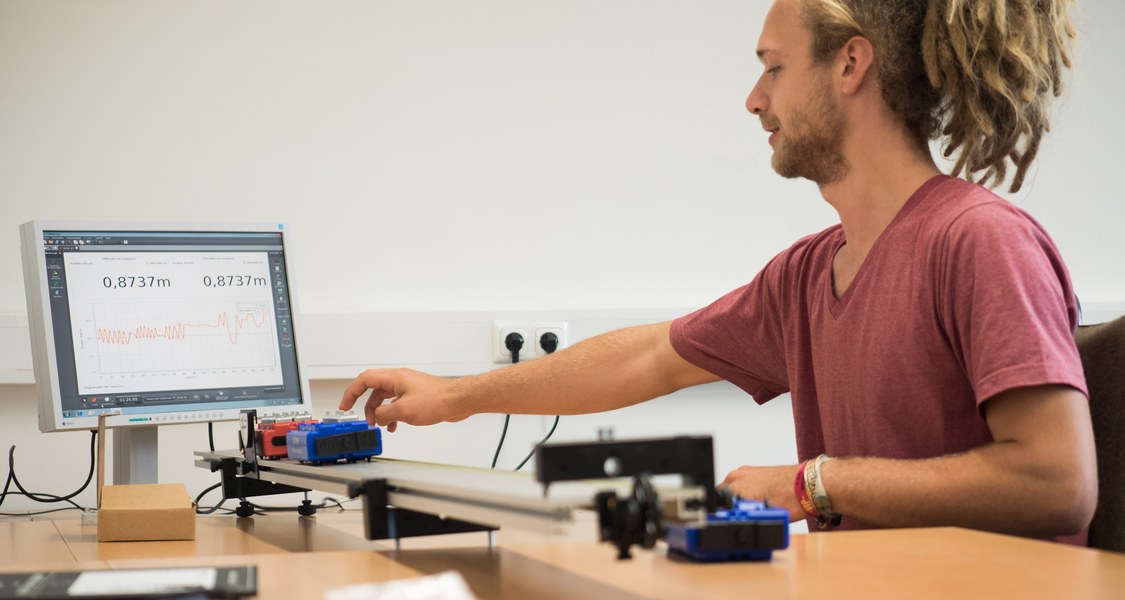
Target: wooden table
{"x":300,"y":557}
{"x":938,"y":563}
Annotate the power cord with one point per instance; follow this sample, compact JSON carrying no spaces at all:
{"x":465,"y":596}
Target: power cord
{"x":324,"y":503}
{"x":41,"y":497}
{"x":514,"y":343}
{"x":199,"y":510}
{"x":541,"y":442}
{"x":39,"y":512}
{"x":258,"y":508}
{"x":549,"y":342}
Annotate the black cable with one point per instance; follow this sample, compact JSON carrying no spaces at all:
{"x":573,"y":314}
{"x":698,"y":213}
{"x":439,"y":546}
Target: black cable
{"x":211,"y":444}
{"x":513,"y":342}
{"x":323,"y":504}
{"x":201,"y":511}
{"x":503,"y":434}
{"x":41,"y":497}
{"x":541,"y":442}
{"x":7,"y":484}
{"x":53,"y":498}
{"x":41,"y":512}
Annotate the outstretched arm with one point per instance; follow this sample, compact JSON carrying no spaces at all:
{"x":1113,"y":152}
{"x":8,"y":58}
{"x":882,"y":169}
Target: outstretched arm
{"x":612,"y":370}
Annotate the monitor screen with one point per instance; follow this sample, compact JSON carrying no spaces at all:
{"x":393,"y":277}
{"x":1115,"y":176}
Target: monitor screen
{"x":160,"y":323}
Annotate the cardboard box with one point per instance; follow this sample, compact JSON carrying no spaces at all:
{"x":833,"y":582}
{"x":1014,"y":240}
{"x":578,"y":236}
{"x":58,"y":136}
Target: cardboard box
{"x":141,"y":512}
{"x":157,"y":511}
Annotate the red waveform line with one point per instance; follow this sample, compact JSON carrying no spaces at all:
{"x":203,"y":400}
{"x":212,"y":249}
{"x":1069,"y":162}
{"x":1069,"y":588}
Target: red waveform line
{"x":179,"y":331}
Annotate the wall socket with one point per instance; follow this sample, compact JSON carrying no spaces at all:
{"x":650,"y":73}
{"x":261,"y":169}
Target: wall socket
{"x":532,"y":333}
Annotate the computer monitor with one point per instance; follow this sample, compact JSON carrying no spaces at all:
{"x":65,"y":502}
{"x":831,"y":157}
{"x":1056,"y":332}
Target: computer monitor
{"x":161,"y":323}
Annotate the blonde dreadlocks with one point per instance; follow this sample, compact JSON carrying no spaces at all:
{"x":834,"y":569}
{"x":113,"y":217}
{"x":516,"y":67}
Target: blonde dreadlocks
{"x":977,"y":73}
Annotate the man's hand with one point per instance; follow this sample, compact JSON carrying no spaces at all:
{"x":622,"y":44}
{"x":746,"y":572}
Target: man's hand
{"x":404,"y":395}
{"x":772,"y":485}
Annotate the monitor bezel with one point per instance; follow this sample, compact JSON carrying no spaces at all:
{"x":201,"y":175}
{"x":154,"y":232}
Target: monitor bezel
{"x":41,"y":325}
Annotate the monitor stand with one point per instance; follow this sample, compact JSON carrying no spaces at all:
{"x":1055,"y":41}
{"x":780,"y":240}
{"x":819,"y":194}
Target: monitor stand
{"x":134,"y":455}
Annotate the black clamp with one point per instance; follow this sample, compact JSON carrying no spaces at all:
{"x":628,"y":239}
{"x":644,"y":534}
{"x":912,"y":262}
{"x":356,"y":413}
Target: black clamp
{"x":637,"y":518}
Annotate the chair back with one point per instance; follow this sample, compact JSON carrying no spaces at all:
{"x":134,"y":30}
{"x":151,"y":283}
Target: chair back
{"x":1102,"y":347}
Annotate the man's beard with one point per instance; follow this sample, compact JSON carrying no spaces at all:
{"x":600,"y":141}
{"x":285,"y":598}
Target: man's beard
{"x":813,"y":142}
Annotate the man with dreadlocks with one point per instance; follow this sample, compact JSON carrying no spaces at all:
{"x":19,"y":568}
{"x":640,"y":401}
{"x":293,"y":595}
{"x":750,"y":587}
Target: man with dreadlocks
{"x":926,"y":340}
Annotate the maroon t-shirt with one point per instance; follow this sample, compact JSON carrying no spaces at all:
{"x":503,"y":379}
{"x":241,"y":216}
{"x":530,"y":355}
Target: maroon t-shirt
{"x":962,"y":297}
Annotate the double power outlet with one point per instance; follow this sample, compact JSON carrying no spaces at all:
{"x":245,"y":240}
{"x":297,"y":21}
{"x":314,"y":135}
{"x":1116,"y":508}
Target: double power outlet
{"x":534,"y":336}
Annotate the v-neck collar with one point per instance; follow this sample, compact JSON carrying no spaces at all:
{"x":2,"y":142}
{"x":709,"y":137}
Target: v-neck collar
{"x":838,"y":305}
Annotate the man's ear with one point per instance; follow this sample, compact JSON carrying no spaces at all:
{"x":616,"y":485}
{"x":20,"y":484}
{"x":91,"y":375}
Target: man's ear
{"x":858,"y":57}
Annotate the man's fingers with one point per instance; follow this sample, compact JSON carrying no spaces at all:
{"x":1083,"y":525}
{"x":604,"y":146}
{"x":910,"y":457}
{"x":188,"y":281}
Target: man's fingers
{"x":381,"y":386}
{"x":385,"y":414}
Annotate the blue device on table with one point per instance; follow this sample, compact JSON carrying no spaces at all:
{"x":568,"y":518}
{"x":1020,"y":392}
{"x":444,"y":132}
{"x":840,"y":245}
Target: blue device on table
{"x":330,"y":442}
{"x":748,"y":531}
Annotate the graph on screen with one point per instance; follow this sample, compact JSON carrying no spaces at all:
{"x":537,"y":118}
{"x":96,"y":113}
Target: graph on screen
{"x":172,"y":320}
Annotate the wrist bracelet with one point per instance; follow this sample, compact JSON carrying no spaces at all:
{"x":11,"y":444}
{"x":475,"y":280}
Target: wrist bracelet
{"x":822,"y":504}
{"x":800,"y":488}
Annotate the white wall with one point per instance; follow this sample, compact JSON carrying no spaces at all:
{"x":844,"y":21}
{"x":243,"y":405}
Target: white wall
{"x":494,"y":156}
